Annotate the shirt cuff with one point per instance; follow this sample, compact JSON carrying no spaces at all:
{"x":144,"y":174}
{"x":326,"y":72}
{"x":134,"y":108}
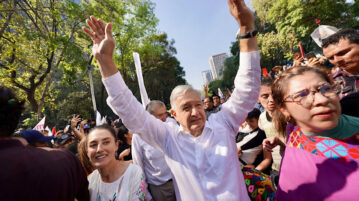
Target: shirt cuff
{"x":251,"y":59}
{"x":114,"y":84}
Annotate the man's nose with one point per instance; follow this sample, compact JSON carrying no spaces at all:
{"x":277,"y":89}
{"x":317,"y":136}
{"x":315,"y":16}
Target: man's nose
{"x":194,"y":111}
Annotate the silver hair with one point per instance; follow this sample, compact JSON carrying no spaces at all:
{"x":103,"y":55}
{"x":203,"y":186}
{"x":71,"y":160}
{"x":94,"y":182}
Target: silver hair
{"x":179,"y":91}
{"x":153,"y":105}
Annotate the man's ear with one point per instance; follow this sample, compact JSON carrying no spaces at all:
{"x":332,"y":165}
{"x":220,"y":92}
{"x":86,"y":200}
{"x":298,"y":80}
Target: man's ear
{"x":174,"y":114}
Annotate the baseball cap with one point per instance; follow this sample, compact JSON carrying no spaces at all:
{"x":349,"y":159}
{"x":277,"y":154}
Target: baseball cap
{"x":62,"y":139}
{"x":34,"y":136}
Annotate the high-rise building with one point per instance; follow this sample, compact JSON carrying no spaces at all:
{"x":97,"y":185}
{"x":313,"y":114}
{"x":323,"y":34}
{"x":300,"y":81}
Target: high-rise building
{"x":207,"y":77}
{"x":216,"y":63}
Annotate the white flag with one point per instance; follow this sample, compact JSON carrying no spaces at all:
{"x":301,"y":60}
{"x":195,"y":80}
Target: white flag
{"x":40,"y":126}
{"x":48,"y":130}
{"x":220,"y":94}
{"x":98,"y":119}
{"x":103,"y":120}
{"x":322,"y":32}
{"x":144,"y":97}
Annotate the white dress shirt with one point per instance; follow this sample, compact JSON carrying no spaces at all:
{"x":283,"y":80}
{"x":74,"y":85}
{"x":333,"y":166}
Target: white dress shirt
{"x":204,"y":167}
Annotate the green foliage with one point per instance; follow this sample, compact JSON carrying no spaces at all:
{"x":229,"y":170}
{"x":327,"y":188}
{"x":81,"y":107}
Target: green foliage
{"x":276,"y":49}
{"x":31,"y":121}
{"x":44,"y":54}
{"x":161,"y":69}
{"x":283,"y":23}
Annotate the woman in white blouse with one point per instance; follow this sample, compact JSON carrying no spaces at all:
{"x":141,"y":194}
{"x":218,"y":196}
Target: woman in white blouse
{"x":113,"y":179}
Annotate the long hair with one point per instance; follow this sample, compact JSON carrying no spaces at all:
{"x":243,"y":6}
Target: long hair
{"x":280,"y":87}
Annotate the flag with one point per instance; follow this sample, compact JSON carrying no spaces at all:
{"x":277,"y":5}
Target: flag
{"x":53,"y":131}
{"x":220,"y":94}
{"x":301,"y":50}
{"x":144,"y":97}
{"x":103,"y":120}
{"x":49,"y":131}
{"x":40,"y":126}
{"x":98,"y":119}
{"x":265,"y":72}
{"x":317,"y":21}
{"x":322,"y":32}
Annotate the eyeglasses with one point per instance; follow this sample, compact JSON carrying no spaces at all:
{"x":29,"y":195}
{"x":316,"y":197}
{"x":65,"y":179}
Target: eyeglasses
{"x":305,"y":97}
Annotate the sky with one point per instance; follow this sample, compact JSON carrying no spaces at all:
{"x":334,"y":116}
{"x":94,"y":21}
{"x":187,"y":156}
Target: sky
{"x":200,"y":28}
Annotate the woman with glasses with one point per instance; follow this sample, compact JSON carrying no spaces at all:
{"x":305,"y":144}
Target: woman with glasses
{"x":322,"y":152}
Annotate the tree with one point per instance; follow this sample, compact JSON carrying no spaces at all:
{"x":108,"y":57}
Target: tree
{"x":276,"y":49}
{"x":133,"y":20}
{"x":37,"y":41}
{"x":161,"y":69}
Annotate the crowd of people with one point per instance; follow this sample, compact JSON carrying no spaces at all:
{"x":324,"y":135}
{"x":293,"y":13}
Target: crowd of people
{"x":292,"y":135}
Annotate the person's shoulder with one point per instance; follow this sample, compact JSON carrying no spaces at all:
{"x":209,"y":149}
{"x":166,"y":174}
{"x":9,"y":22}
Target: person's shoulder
{"x":135,"y":167}
{"x":350,"y":121}
{"x":93,"y":179}
{"x":262,"y":115}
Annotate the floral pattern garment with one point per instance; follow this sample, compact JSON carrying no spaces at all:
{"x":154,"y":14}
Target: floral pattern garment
{"x":319,"y":168}
{"x":343,"y":150}
{"x":259,"y":185}
{"x":142,"y":189}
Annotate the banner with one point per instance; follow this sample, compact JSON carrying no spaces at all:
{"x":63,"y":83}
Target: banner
{"x":49,"y":131}
{"x":220,"y":94}
{"x":144,"y":97}
{"x":98,"y":119}
{"x":40,"y":126}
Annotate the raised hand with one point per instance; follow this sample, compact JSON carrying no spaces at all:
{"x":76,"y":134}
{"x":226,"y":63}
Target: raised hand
{"x":75,"y":120}
{"x":242,"y":14}
{"x":103,"y":45}
{"x":101,"y":35}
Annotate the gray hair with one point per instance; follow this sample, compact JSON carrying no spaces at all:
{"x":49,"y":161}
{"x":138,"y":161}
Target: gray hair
{"x":179,"y":91}
{"x":153,"y":105}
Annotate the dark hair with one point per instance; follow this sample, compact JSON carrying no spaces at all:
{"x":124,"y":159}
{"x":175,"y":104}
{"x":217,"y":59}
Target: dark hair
{"x":350,"y":34}
{"x":215,"y":95}
{"x":255,"y":113}
{"x":210,"y":98}
{"x":105,"y":127}
{"x":122,"y":130}
{"x":10,"y":111}
{"x":279,"y":88}
{"x":267,"y":82}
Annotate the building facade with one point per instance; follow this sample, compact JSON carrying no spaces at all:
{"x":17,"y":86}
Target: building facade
{"x":207,"y":77}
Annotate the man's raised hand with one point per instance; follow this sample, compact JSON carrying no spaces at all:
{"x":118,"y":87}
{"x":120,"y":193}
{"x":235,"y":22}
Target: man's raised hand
{"x":101,"y":35}
{"x":242,"y":14}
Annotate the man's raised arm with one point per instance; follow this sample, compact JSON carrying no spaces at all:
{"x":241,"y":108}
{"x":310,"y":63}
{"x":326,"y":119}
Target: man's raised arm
{"x":121,"y":99}
{"x":247,"y":81}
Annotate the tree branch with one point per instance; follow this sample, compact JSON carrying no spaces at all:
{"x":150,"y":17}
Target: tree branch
{"x":37,"y":15}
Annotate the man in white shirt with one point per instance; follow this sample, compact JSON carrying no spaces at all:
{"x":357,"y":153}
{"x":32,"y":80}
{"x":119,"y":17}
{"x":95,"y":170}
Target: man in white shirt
{"x":157,"y":173}
{"x":202,"y":155}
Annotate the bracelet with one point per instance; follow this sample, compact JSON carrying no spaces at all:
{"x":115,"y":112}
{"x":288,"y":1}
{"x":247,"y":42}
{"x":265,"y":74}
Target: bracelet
{"x":249,"y":34}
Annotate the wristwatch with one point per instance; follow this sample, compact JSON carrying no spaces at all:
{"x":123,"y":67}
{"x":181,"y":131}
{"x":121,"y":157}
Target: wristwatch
{"x":249,"y":34}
